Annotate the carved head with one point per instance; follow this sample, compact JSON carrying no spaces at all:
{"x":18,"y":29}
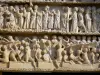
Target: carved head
{"x":45,"y":37}
{"x":23,"y":41}
{"x":35,"y":7}
{"x":6,"y":7}
{"x":88,"y":9}
{"x":54,"y":37}
{"x":46,"y":8}
{"x":11,"y":8}
{"x":81,"y":10}
{"x":75,"y":9}
{"x":4,"y":47}
{"x":67,"y":8}
{"x":60,"y":37}
{"x":58,"y":46}
{"x":53,"y":10}
{"x":21,"y":48}
{"x":72,"y":37}
{"x":10,"y":37}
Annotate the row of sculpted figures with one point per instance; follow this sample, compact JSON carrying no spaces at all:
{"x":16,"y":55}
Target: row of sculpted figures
{"x":70,"y":19}
{"x":52,"y":50}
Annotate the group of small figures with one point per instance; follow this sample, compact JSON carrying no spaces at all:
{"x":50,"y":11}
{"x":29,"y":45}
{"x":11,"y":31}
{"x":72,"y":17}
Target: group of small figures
{"x":71,"y":19}
{"x":55,"y":50}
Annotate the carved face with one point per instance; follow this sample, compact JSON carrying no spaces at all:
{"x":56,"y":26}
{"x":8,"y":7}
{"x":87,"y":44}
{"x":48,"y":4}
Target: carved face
{"x":45,"y":37}
{"x":35,"y":7}
{"x":72,"y":37}
{"x":75,"y":9}
{"x":11,"y":8}
{"x":81,"y":10}
{"x":54,"y":37}
{"x":47,"y":8}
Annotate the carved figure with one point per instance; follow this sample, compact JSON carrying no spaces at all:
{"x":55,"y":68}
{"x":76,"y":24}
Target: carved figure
{"x":97,"y":19}
{"x":89,"y":39}
{"x":21,"y":16}
{"x":57,"y":20}
{"x":88,"y":19}
{"x":33,"y":17}
{"x":51,"y":20}
{"x":92,"y":55}
{"x":5,"y":54}
{"x":81,"y":20}
{"x":94,"y":26}
{"x":39,"y":21}
{"x":85,"y":56}
{"x":83,"y":40}
{"x":54,"y":42}
{"x":59,"y":52}
{"x":1,"y":17}
{"x":28,"y":55}
{"x":28,"y":14}
{"x":66,"y":18}
{"x":45,"y":17}
{"x":74,"y":27}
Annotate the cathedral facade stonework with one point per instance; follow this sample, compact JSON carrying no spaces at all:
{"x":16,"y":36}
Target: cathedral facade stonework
{"x":49,"y":35}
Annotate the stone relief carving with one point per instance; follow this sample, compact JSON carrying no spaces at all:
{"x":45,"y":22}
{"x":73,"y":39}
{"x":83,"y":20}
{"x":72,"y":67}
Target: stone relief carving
{"x":70,"y":20}
{"x":55,"y":50}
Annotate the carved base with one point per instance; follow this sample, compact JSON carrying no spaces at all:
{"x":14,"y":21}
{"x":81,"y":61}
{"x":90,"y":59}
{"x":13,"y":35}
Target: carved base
{"x":46,"y":65}
{"x":20,"y":65}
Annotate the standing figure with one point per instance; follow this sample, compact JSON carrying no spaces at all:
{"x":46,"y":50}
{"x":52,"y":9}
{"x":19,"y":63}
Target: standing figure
{"x":51,"y":20}
{"x":16,"y":15}
{"x":98,"y":19}
{"x":81,"y":20}
{"x":43,"y":41}
{"x":39,"y":21}
{"x":28,"y":16}
{"x":57,"y":20}
{"x":21,"y":16}
{"x":74,"y":27}
{"x":59,"y":52}
{"x":45,"y":18}
{"x":25,"y":15}
{"x":54,"y":43}
{"x":37,"y":54}
{"x":28,"y":56}
{"x":1,"y":17}
{"x":88,"y":19}
{"x":66,"y":18}
{"x":33,"y":17}
{"x":94,"y":25}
